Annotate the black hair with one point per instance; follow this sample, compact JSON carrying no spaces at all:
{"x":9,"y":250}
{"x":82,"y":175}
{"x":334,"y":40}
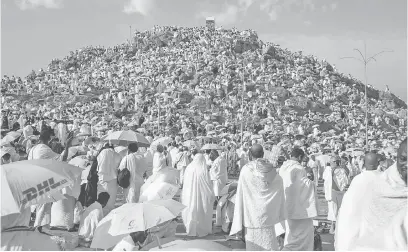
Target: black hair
{"x":139,"y":236}
{"x":133,"y":147}
{"x":297,"y":152}
{"x":45,"y":136}
{"x":103,"y":197}
{"x":194,"y":152}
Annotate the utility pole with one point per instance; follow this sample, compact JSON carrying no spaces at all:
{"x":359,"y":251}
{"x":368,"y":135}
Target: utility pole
{"x":365,"y":60}
{"x":130,"y":34}
{"x":158,"y":104}
{"x":242,"y":105}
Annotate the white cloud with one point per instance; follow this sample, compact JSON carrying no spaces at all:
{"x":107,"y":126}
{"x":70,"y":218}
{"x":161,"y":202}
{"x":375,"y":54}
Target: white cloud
{"x":245,"y":4}
{"x":307,"y":23}
{"x":143,"y":7}
{"x":229,"y":16}
{"x":32,"y":4}
{"x":308,"y":4}
{"x":273,"y":8}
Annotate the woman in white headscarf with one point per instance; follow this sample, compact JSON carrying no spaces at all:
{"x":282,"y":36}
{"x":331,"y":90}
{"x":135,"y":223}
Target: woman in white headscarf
{"x":163,"y":173}
{"x":199,"y":198}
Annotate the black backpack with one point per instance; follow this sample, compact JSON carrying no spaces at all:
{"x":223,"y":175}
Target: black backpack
{"x":124,"y":177}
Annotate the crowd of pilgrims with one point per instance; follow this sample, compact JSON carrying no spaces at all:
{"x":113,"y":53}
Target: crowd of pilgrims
{"x":302,"y":123}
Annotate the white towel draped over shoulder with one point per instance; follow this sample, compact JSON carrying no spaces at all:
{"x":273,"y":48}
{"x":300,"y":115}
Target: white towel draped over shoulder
{"x":369,"y":207}
{"x":259,"y":201}
{"x":300,"y":198}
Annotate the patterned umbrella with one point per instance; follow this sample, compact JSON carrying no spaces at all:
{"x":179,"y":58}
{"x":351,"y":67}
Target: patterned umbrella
{"x":125,"y":137}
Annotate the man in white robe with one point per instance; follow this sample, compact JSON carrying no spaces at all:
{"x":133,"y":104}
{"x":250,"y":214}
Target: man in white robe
{"x":181,"y":162}
{"x":322,"y":162}
{"x":108,"y":163}
{"x":336,"y":180}
{"x":373,"y":213}
{"x":43,"y":151}
{"x":173,"y":154}
{"x":243,"y":158}
{"x":218,"y":172}
{"x":259,"y":203}
{"x":300,"y":203}
{"x":148,"y":155}
{"x":136,"y":165}
{"x":91,"y":216}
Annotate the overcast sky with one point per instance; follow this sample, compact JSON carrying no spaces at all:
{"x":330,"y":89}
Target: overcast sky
{"x":36,"y":31}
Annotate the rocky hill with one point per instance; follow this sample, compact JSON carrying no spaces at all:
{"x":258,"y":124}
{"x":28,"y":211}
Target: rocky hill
{"x":197,"y":57}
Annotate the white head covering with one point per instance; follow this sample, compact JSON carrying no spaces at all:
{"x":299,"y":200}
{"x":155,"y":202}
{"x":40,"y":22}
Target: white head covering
{"x":200,"y":163}
{"x":159,"y":161}
{"x":28,"y":131}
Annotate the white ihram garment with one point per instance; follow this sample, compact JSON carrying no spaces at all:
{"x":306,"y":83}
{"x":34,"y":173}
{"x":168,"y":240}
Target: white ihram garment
{"x":219,"y":175}
{"x":43,"y":211}
{"x":149,"y":162}
{"x":181,"y":163}
{"x":334,"y":197}
{"x":136,"y":165}
{"x":108,"y":162}
{"x":259,"y":205}
{"x":300,"y":203}
{"x":90,"y":218}
{"x":372,"y":205}
{"x":198,"y":196}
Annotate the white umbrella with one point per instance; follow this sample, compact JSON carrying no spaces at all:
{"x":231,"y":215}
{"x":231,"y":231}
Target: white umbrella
{"x":191,"y":144}
{"x":10,"y":137}
{"x":211,"y":147}
{"x":80,"y":161}
{"x":125,"y":137}
{"x":159,"y":191}
{"x":133,"y":217}
{"x":162,"y":141}
{"x":122,"y":150}
{"x":191,"y":245}
{"x":31,"y":182}
{"x":102,"y":239}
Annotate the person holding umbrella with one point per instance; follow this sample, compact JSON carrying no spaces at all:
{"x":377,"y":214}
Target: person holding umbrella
{"x":43,"y":151}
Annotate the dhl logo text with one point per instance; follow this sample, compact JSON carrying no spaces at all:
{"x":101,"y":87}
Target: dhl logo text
{"x":32,"y":193}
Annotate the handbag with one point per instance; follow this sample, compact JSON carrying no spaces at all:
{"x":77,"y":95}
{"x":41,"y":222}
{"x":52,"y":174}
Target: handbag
{"x":124,"y":177}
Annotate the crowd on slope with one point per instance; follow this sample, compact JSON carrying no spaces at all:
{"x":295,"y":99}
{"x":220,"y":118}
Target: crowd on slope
{"x":196,"y":85}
